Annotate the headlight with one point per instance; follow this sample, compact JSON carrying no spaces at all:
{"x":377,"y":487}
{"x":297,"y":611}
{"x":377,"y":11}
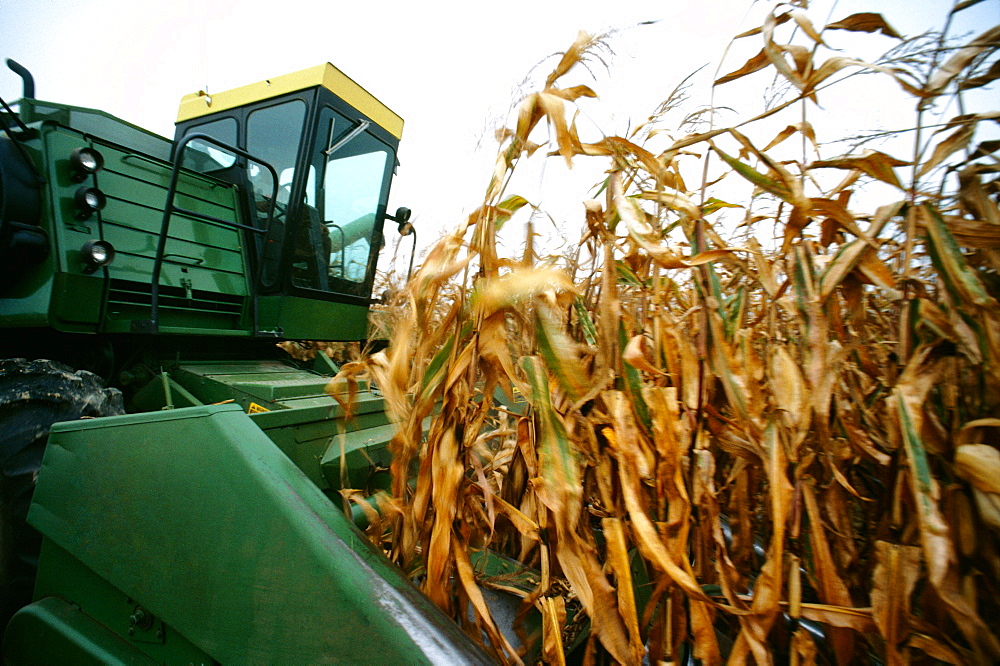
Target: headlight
{"x":87,"y":200}
{"x":84,"y":162}
{"x":96,"y":254}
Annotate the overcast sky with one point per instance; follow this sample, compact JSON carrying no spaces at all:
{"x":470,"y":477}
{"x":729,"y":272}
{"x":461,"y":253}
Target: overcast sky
{"x":450,"y":69}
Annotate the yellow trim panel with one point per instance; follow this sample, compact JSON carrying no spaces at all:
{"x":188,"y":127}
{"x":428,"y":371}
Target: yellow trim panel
{"x":201,"y":104}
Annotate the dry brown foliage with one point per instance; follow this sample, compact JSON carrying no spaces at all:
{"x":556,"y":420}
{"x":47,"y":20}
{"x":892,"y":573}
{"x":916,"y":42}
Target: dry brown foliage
{"x":724,"y":444}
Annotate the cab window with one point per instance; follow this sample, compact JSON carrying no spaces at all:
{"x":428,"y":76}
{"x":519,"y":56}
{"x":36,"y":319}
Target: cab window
{"x":273,"y":135}
{"x":205,"y":157}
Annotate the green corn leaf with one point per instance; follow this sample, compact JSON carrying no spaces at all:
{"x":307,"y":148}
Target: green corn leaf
{"x":626,"y":275}
{"x":757,"y":178}
{"x":558,"y":464}
{"x":586,"y":323}
{"x":712,"y":204}
{"x":557,"y":349}
{"x":633,"y":383}
{"x":960,"y":279}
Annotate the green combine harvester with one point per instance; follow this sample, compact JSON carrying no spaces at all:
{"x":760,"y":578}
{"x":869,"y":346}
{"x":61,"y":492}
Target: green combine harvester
{"x":146,"y":282}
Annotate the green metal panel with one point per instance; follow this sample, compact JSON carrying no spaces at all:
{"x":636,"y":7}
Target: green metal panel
{"x":205,"y":255}
{"x":51,"y":631}
{"x":308,"y":319}
{"x":96,"y":123}
{"x":196,"y":515}
{"x":306,"y":423}
{"x":204,"y":264}
{"x":360,"y":459}
{"x":76,"y":302}
{"x":114,"y":628}
{"x":25,"y":303}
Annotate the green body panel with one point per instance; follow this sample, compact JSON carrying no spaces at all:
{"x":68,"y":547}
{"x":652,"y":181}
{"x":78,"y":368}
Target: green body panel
{"x":52,"y":631}
{"x":205,"y":270}
{"x":197,"y":516}
{"x":26,"y":303}
{"x":308,"y":319}
{"x":76,"y":302}
{"x":96,"y":123}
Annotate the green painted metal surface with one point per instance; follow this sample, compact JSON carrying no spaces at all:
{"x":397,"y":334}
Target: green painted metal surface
{"x":205,"y":263}
{"x":306,"y":423}
{"x":196,"y":515}
{"x":53,"y":631}
{"x":308,"y":319}
{"x":112,"y":629}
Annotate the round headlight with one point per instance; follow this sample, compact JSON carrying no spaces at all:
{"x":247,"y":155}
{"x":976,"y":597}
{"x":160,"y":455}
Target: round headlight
{"x":88,"y":199}
{"x":85,"y":161}
{"x":97,"y":253}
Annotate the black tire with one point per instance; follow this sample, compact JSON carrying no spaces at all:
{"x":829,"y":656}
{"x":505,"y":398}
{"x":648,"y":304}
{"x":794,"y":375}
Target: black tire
{"x":33,"y":396}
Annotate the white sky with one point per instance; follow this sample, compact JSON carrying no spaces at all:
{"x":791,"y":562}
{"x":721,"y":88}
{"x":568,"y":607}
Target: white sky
{"x":450,"y":69}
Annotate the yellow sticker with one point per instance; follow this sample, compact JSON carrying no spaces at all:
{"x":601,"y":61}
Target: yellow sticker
{"x":254,"y":408}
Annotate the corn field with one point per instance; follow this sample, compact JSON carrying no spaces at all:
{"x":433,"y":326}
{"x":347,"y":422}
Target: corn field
{"x":723,"y":429}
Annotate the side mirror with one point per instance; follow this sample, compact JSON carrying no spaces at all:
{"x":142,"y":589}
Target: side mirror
{"x":402,"y":218}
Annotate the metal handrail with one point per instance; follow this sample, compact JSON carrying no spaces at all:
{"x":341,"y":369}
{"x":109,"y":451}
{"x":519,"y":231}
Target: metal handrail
{"x":152,"y":324}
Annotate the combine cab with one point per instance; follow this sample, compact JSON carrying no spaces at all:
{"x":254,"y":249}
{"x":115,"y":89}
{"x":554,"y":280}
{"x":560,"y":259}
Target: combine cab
{"x":147,"y":282}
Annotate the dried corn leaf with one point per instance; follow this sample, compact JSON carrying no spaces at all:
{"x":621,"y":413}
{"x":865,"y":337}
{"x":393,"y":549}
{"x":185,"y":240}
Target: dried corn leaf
{"x":562,"y":358}
{"x":766,"y":605}
{"x":807,"y":27}
{"x":651,"y":240}
{"x":754,"y":64}
{"x":896,"y":573}
{"x":842,"y":264}
{"x":790,"y":392}
{"x":874,"y":163}
{"x":484,"y":618}
{"x":962,"y":59}
{"x":776,"y":53}
{"x":832,"y":589}
{"x":574,"y":55}
{"x":954,"y":142}
{"x":964,"y":4}
{"x":779,"y":20}
{"x":982,"y":80}
{"x":865,"y":22}
{"x":559,"y":487}
{"x":979,"y":464}
{"x":806,"y":129}
{"x":517,"y":287}
{"x":553,"y":620}
{"x":920,"y":375}
{"x":618,"y":561}
{"x":976,"y":200}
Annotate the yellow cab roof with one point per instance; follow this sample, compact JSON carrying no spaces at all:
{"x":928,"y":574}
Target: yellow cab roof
{"x":201,"y":103}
